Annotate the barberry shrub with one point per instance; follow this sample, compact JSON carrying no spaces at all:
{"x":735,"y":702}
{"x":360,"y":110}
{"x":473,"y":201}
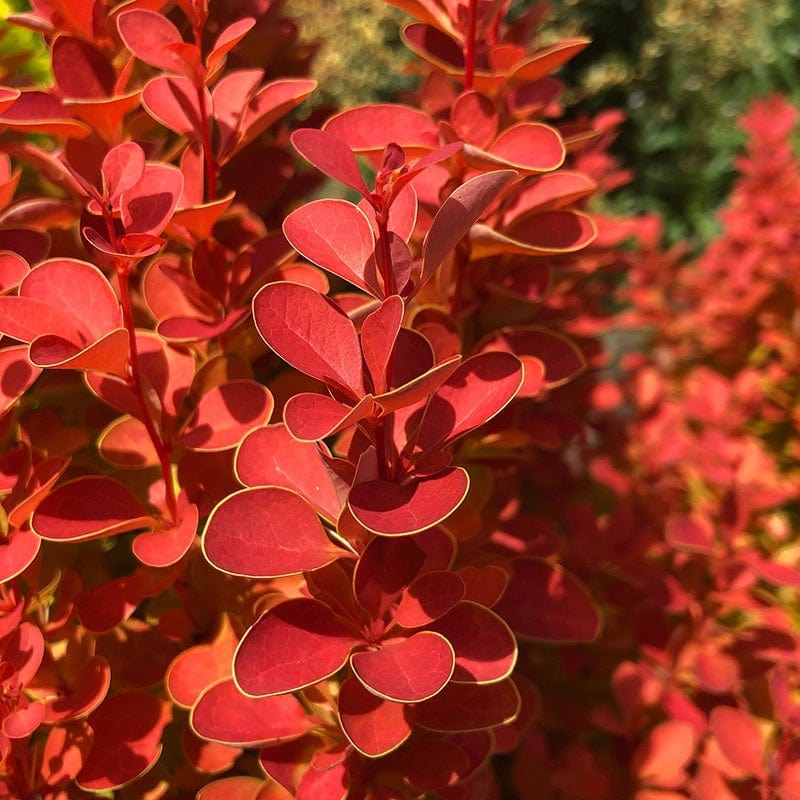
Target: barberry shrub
{"x":324,"y":498}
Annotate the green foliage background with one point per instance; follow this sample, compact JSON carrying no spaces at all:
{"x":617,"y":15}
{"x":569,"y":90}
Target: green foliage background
{"x":683,"y":70}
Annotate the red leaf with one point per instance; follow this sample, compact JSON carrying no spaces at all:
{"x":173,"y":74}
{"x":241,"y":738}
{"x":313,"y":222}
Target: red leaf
{"x":169,"y":544}
{"x":550,"y":192}
{"x":530,"y":147}
{"x":239,"y":787}
{"x":226,"y":41}
{"x":312,"y":417}
{"x":690,"y":532}
{"x":378,"y":335}
{"x":230,"y":95}
{"x":429,"y":597}
{"x":418,"y":388}
{"x":88,"y":508}
{"x":17,"y":374}
{"x":123,"y":167}
{"x":89,"y":691}
{"x":127,"y":740}
{"x":80,"y":69}
{"x":76,"y":301}
{"x":294,"y":644}
{"x":374,"y":726}
{"x":368,"y":129}
{"x":544,"y":602}
{"x":108,"y":354}
{"x":13,"y":268}
{"x":485,"y":648}
{"x":148,"y":34}
{"x":561,"y":357}
{"x":310,"y":332}
{"x":385,"y":569}
{"x":393,"y":509}
{"x":484,"y":585}
{"x":270,"y":103}
{"x":470,"y":707}
{"x":548,"y":233}
{"x":457,"y":214}
{"x":173,"y":101}
{"x":200,"y":666}
{"x":42,"y":113}
{"x":127,"y":443}
{"x":211,"y":758}
{"x":337,"y":236}
{"x":223,"y":714}
{"x":478,"y":390}
{"x":266,"y":532}
{"x":547,"y":59}
{"x":147,"y":207}
{"x":330,"y":155}
{"x":665,"y":752}
{"x":17,"y":553}
{"x":739,"y":738}
{"x":474,"y":118}
{"x":406,"y":670}
{"x":22,"y":722}
{"x":271,"y":456}
{"x":226,"y":414}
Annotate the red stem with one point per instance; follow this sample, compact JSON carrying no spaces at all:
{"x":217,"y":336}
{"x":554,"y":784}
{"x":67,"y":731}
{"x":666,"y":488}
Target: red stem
{"x":208,"y":154}
{"x":469,"y":44}
{"x":135,"y":379}
{"x":212,"y":168}
{"x":385,"y":255}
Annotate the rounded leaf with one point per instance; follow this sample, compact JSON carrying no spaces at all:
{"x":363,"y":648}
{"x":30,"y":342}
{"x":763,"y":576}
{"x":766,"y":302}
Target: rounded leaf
{"x":393,"y":509}
{"x":223,"y":714}
{"x":296,"y":643}
{"x":406,"y":670}
{"x":266,"y":532}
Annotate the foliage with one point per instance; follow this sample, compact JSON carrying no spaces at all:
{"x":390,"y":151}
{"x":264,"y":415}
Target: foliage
{"x":683,"y":71}
{"x":339,"y":499}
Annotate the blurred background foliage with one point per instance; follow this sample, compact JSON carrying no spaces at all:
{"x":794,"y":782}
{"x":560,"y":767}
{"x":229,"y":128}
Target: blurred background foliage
{"x":682,"y":70}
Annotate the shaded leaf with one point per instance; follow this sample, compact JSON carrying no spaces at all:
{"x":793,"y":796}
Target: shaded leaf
{"x":87,"y":508}
{"x":373,"y":725}
{"x":394,"y":509}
